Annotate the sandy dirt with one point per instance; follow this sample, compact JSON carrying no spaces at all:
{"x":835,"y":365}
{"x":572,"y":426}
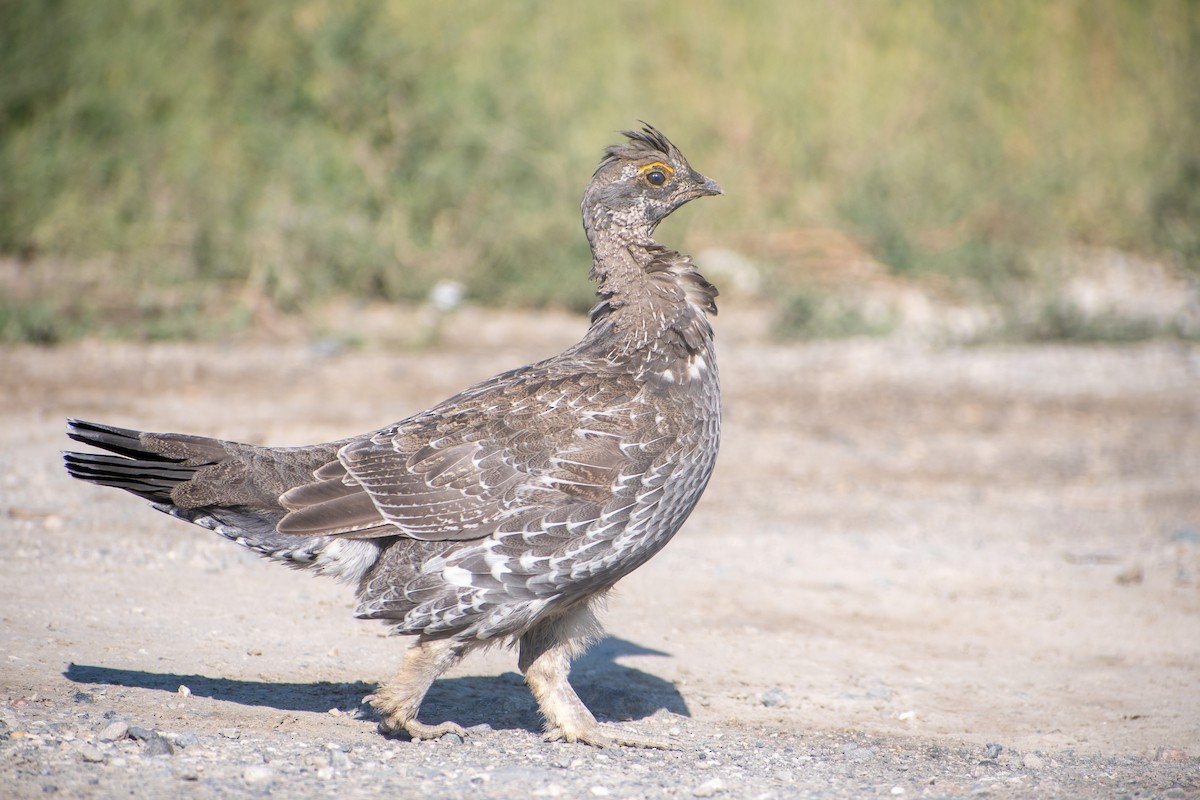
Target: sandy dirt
{"x":905,"y":549}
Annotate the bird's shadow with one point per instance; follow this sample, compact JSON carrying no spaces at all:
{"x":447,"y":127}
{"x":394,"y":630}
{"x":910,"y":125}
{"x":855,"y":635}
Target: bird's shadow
{"x":612,"y":691}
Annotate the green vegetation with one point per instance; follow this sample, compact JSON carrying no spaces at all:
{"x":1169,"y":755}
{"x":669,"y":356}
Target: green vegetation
{"x":195,"y":160}
{"x":808,"y":314}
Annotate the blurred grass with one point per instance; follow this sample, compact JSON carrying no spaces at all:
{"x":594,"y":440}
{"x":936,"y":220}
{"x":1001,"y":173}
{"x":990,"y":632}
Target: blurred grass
{"x":189,"y":162}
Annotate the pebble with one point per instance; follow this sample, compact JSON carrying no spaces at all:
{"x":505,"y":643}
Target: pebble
{"x":774,"y":697}
{"x":158,"y":745}
{"x":90,"y":754}
{"x":1033,"y":761}
{"x":709,"y":788}
{"x":258,"y":775}
{"x":186,"y":739}
{"x":451,"y":738}
{"x":115,"y":732}
{"x":231,"y":733}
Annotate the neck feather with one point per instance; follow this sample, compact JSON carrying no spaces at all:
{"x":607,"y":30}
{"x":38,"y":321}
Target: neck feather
{"x":650,"y":295}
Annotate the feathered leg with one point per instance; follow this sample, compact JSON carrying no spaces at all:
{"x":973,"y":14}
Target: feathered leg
{"x":546,"y":654}
{"x":400,"y":698}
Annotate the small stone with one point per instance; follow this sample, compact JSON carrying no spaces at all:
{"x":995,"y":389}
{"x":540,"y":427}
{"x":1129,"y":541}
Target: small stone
{"x":186,"y":739}
{"x":993,"y":750}
{"x":600,"y":791}
{"x":1033,"y":761}
{"x":258,"y":775}
{"x":897,"y":790}
{"x":157,"y":745}
{"x":451,"y":738}
{"x":115,"y":732}
{"x":325,"y":773}
{"x":90,"y":754}
{"x":184,"y":691}
{"x":84,"y":697}
{"x":774,"y":697}
{"x":710,"y":788}
{"x":140,"y":733}
{"x":231,"y":733}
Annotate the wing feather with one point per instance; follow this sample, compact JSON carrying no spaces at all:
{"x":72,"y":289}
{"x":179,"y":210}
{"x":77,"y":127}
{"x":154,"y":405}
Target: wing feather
{"x":512,"y":457}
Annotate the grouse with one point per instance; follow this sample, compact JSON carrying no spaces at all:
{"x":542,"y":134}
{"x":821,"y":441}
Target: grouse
{"x":504,"y":513}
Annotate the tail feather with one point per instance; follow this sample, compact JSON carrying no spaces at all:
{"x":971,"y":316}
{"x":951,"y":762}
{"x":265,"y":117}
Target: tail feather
{"x":235,"y":508}
{"x":124,"y":441}
{"x":133,"y":468}
{"x":151,"y":480}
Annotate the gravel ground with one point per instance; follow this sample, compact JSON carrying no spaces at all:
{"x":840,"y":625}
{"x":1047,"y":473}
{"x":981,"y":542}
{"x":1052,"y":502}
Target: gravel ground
{"x":918,"y":572}
{"x":86,"y":748}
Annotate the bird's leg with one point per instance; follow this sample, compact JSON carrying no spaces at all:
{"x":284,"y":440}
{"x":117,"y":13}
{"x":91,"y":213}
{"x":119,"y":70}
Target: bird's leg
{"x":400,"y":698}
{"x":546,"y":654}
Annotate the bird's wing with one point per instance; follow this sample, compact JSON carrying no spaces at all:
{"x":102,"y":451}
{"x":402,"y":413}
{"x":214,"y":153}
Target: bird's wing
{"x":483,"y":457}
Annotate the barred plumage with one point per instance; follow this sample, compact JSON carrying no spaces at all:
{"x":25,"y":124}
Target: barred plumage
{"x":503,"y":512}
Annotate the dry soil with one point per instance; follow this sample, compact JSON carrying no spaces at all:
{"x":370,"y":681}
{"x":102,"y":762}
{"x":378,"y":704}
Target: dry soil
{"x":918,"y":571}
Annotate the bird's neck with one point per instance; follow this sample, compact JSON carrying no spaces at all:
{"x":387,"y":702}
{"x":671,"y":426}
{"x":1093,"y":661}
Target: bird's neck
{"x":650,"y":296}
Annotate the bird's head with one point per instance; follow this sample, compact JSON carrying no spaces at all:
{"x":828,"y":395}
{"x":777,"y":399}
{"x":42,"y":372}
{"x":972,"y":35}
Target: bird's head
{"x":640,"y":182}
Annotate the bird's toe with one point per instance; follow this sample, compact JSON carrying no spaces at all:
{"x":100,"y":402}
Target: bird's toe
{"x":598,"y":735}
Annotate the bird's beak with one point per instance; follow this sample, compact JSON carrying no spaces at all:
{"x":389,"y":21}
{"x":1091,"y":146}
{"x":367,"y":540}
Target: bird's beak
{"x":709,"y":187}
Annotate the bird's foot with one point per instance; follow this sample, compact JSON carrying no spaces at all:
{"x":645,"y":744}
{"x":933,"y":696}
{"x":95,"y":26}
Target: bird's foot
{"x":419,"y":730}
{"x":598,"y":735}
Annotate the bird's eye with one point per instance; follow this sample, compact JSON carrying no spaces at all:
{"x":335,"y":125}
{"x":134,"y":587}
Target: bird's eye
{"x":657,"y":173}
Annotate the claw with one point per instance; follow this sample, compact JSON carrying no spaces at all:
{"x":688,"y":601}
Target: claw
{"x":419,"y":731}
{"x":613,"y":737}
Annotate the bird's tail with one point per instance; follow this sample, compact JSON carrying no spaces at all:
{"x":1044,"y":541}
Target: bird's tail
{"x":227,"y":498}
{"x":128,"y":464}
